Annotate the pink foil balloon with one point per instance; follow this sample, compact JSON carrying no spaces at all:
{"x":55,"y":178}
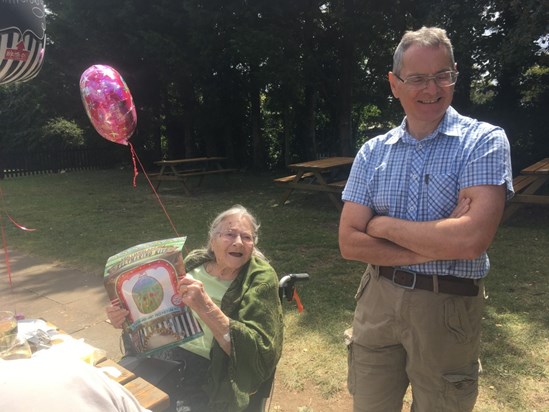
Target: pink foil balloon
{"x":108,"y":103}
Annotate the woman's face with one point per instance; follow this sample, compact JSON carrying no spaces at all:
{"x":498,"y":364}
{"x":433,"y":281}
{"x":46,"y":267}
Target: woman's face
{"x":233,"y":243}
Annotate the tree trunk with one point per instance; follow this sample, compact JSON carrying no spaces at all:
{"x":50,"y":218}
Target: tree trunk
{"x":345,"y":89}
{"x":258,"y":143}
{"x":345,"y":97}
{"x":188,"y":102}
{"x":310,"y":132}
{"x":286,"y":124}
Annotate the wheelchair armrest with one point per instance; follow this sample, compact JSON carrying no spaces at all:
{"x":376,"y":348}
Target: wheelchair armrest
{"x":286,"y":285}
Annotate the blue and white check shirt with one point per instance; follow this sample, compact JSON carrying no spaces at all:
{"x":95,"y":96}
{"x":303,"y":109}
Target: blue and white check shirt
{"x":396,"y":175}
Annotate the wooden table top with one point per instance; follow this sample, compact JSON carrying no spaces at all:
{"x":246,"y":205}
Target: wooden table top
{"x":323,"y":164}
{"x":538,"y":168}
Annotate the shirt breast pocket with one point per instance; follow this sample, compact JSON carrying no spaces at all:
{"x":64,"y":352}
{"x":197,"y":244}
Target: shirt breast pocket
{"x":442,"y":194}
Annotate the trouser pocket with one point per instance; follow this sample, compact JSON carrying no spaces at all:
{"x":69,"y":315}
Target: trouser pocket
{"x":351,"y":380}
{"x":364,"y":282}
{"x":461,"y":389}
{"x":457,"y":320}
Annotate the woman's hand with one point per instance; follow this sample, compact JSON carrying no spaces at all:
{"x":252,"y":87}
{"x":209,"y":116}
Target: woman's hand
{"x":193,"y":295}
{"x":116,"y":315}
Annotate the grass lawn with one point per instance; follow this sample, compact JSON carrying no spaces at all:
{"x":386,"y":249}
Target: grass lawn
{"x":82,"y":218}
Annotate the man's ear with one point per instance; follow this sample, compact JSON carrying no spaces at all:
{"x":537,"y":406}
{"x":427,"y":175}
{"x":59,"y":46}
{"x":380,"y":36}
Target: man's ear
{"x":393,"y":83}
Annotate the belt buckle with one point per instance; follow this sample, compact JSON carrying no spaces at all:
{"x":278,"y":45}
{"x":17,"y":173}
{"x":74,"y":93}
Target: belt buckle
{"x":413,"y":286}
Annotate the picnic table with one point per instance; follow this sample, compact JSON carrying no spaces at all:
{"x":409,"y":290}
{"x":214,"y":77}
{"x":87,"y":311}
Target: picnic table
{"x":527,"y":186}
{"x":181,"y":170}
{"x":148,"y":395}
{"x":328,"y":175}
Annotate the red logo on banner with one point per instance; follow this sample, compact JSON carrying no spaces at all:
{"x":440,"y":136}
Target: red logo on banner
{"x":19,"y":53}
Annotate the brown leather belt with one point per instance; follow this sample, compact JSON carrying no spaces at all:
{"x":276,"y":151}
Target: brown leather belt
{"x":413,"y":280}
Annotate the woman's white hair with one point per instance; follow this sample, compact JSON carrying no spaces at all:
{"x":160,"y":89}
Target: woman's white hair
{"x":199,"y":256}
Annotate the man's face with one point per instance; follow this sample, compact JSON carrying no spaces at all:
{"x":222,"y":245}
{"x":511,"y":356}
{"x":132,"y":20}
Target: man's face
{"x":424,"y":106}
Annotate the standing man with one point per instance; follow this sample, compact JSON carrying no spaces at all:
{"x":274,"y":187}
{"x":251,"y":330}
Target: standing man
{"x":422,"y":205}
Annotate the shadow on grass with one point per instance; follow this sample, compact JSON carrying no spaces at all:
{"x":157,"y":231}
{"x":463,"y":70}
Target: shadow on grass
{"x":515,"y":338}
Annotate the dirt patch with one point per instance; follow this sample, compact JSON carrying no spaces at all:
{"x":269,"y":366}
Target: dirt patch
{"x":310,"y":400}
{"x":307,"y":400}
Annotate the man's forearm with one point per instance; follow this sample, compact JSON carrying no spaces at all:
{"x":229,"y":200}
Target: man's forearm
{"x":364,"y":248}
{"x":445,"y":239}
{"x":465,"y":234}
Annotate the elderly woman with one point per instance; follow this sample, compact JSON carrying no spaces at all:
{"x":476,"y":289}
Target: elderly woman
{"x":233,"y":292}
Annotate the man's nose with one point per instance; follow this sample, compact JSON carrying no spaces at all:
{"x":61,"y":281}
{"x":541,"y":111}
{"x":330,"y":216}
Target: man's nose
{"x":430,"y":82}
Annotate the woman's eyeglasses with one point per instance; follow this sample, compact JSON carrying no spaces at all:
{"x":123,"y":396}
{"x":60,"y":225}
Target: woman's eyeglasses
{"x":232,"y":235}
{"x":420,"y":81}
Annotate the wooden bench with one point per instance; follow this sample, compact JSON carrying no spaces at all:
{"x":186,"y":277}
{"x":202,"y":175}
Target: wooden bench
{"x":323,"y":175}
{"x":282,"y":181}
{"x":521,"y":182}
{"x":148,"y":395}
{"x":288,"y":181}
{"x":205,"y":172}
{"x":338,"y":186}
{"x":157,"y":175}
{"x":182,"y":175}
{"x":524,"y":187}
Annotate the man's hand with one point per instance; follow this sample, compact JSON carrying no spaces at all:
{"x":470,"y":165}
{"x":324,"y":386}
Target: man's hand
{"x":462,"y":207}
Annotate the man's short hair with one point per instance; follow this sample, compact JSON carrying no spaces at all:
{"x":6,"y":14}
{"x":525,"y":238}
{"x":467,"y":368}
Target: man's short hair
{"x":426,"y":37}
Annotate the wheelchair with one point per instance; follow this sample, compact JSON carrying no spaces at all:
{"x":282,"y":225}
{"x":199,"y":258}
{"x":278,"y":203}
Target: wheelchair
{"x":286,"y":292}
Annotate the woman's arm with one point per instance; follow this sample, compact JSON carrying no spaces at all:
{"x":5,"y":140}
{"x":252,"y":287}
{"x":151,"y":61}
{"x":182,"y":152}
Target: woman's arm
{"x":193,"y":295}
{"x":257,"y":326}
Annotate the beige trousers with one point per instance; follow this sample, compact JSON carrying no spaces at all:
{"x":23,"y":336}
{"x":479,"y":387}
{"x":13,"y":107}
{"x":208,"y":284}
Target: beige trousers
{"x":426,"y":339}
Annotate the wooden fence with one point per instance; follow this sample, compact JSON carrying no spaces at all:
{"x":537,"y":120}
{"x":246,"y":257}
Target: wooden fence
{"x":24,"y":163}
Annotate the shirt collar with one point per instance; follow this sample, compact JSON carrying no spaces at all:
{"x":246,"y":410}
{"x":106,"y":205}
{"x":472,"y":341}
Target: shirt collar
{"x":449,"y":126}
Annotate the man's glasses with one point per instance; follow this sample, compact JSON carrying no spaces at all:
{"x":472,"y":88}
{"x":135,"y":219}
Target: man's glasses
{"x":232,"y":235}
{"x":420,"y":81}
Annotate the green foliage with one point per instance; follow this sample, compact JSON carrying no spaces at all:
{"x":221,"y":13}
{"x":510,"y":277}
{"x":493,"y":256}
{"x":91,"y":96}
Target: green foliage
{"x":60,"y":133}
{"x":266,"y":83}
{"x":535,"y":86}
{"x":21,"y":115}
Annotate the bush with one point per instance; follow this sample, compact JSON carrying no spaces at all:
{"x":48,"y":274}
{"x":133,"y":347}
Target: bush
{"x":60,"y":133}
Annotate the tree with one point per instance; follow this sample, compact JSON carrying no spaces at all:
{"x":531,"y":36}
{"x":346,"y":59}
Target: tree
{"x":268,"y":83}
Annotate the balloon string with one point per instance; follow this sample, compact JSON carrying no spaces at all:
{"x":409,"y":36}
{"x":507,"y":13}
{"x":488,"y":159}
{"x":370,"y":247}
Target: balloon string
{"x":6,"y":254}
{"x":18,"y":225}
{"x":10,"y":218}
{"x":4,"y":241}
{"x":134,"y":155}
{"x":135,"y":172}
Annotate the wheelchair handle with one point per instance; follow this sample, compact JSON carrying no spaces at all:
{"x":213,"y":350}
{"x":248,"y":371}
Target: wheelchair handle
{"x":286,"y":285}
